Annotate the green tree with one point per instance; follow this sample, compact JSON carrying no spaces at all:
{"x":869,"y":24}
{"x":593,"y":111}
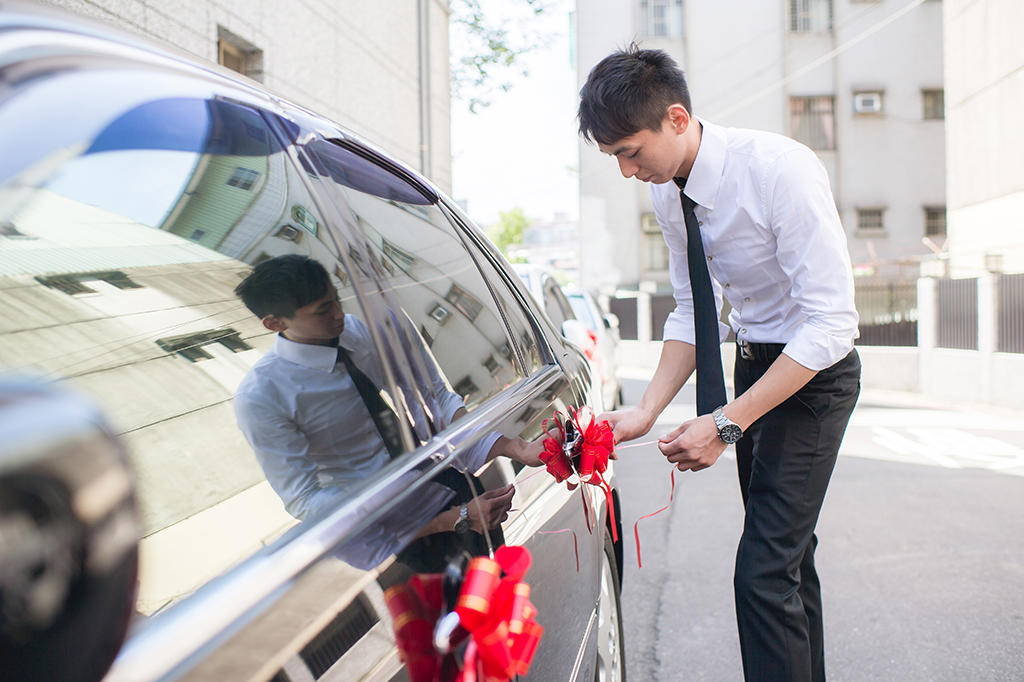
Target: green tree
{"x":508,"y":231}
{"x":486,"y":51}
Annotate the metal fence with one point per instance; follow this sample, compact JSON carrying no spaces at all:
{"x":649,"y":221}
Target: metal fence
{"x":625,"y":310}
{"x":1010,"y":314}
{"x":888,"y":313}
{"x":661,"y":306}
{"x":957,"y":323}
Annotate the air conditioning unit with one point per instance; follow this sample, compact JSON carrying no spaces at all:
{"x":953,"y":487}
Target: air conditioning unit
{"x":867,"y":102}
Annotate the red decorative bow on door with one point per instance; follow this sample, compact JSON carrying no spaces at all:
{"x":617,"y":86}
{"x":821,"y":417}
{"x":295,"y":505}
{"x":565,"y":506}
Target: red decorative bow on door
{"x":493,"y":608}
{"x":576,"y":453}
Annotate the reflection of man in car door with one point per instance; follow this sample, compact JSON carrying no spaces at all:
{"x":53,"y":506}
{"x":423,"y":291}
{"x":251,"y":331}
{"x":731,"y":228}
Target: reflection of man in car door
{"x":313,"y":412}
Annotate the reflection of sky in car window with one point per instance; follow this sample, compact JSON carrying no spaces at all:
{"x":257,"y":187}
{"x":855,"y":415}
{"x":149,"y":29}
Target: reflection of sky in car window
{"x":145,"y":194}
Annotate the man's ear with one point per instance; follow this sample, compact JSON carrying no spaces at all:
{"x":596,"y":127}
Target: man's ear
{"x":679,"y":118}
{"x":274,"y":323}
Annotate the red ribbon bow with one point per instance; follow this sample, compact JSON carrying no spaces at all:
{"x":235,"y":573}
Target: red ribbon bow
{"x":493,"y":607}
{"x":497,"y":612}
{"x":589,"y":458}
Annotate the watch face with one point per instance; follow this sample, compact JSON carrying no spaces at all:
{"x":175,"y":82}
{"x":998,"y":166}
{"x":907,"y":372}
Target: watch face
{"x":730,"y":433}
{"x":462,"y":526}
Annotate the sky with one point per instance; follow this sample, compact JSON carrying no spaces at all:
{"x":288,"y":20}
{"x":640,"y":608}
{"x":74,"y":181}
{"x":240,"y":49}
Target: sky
{"x":521,"y":151}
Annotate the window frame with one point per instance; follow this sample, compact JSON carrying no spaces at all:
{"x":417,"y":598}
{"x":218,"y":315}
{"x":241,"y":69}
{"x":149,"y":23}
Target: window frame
{"x":830,"y":142}
{"x":933,"y":104}
{"x":870,"y":231}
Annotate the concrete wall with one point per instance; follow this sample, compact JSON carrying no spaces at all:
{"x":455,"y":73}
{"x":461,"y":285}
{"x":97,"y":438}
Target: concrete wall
{"x":984,"y":98}
{"x":355,"y":62}
{"x":610,"y":206}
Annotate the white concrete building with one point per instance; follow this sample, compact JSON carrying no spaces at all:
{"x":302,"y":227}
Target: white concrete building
{"x":859,"y":81}
{"x":378,"y":68}
{"x":984,"y":136}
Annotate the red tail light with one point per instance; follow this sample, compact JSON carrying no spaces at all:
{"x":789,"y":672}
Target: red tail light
{"x":591,"y":352}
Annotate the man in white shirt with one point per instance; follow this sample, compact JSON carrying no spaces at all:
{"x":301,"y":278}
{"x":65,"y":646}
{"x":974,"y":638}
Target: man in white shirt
{"x":313,"y":429}
{"x":766,"y":229}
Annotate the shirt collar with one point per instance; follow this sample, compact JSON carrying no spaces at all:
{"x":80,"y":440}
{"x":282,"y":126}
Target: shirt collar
{"x":706,"y":174}
{"x":310,"y":355}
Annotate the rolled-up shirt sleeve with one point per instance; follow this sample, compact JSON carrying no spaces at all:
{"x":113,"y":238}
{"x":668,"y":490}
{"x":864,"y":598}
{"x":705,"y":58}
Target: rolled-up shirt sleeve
{"x":812,"y":252}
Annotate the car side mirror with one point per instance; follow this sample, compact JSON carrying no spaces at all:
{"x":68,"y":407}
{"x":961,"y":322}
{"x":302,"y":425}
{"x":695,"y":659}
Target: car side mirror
{"x":69,"y":534}
{"x":611,"y":321}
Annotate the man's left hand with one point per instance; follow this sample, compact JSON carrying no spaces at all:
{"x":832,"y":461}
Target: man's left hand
{"x":693,"y":446}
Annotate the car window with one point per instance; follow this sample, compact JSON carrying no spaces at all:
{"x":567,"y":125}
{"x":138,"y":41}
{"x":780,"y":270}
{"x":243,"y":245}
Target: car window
{"x":426,"y":284}
{"x":523,"y":331}
{"x":118,"y":267}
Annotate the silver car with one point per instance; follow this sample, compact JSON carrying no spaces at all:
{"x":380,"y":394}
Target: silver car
{"x":137,"y":189}
{"x":603,"y":329}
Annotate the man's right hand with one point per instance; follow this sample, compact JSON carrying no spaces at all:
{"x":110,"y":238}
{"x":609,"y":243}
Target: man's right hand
{"x":491,"y":508}
{"x":627,"y":424}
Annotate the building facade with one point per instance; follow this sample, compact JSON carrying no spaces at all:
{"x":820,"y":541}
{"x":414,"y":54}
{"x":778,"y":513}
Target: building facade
{"x":858,"y":81}
{"x":380,"y":69}
{"x":985,"y":174}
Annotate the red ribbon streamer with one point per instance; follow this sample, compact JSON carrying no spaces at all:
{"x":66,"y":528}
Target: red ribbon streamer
{"x":636,"y":526}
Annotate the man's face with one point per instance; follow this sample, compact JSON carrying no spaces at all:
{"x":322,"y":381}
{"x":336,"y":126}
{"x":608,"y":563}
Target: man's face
{"x":649,"y":156}
{"x":317,"y":323}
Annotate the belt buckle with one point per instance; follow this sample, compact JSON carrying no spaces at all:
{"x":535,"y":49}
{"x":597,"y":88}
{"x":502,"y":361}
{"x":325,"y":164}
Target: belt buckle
{"x":745,"y":350}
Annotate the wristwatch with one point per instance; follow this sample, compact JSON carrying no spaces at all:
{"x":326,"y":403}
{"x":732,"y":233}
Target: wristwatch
{"x":728,"y":431}
{"x":462,"y":524}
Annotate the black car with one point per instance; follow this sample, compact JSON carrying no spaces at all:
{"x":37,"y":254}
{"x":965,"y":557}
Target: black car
{"x":137,"y":189}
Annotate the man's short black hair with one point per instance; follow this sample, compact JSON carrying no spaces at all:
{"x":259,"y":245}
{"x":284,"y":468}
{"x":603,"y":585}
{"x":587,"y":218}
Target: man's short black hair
{"x":280,"y":286}
{"x":629,"y":91}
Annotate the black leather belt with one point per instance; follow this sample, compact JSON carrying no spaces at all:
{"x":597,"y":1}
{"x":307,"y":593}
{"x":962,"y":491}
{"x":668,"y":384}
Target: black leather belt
{"x":759,"y":352}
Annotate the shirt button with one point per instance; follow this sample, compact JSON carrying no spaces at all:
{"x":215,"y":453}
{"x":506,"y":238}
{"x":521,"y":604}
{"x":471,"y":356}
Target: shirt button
{"x":746,"y":300}
{"x":700,"y":223}
{"x":743,"y":331}
{"x":727,"y":285}
{"x":709,"y":258}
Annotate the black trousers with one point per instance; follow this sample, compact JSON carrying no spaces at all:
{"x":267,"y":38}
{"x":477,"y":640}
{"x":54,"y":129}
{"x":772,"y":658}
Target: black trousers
{"x":785,"y":460}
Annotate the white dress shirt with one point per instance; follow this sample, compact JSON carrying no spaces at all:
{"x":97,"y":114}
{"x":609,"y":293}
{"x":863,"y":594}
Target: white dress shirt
{"x":774,"y":244}
{"x":310,"y":429}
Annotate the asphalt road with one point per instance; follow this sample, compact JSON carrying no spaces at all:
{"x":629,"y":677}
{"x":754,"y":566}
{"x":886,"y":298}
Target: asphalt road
{"x":921,"y":552}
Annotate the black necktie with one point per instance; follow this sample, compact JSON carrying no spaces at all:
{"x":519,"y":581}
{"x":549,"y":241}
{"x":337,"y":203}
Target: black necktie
{"x":384,"y":418}
{"x":386,"y":421}
{"x":710,"y":379}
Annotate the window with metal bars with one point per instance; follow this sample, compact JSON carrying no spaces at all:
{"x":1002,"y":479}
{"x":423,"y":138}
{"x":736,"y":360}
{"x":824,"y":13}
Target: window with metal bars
{"x":243,"y":178}
{"x":810,"y":16}
{"x":933,"y":104}
{"x":935,"y":221}
{"x":870,"y":220}
{"x":812,"y":121}
{"x":662,"y":18}
{"x":190,"y":346}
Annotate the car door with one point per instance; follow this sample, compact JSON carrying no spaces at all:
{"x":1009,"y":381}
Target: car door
{"x":510,"y":372}
{"x":568,"y":549}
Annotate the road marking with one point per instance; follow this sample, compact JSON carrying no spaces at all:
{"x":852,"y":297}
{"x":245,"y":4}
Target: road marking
{"x":890,"y":439}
